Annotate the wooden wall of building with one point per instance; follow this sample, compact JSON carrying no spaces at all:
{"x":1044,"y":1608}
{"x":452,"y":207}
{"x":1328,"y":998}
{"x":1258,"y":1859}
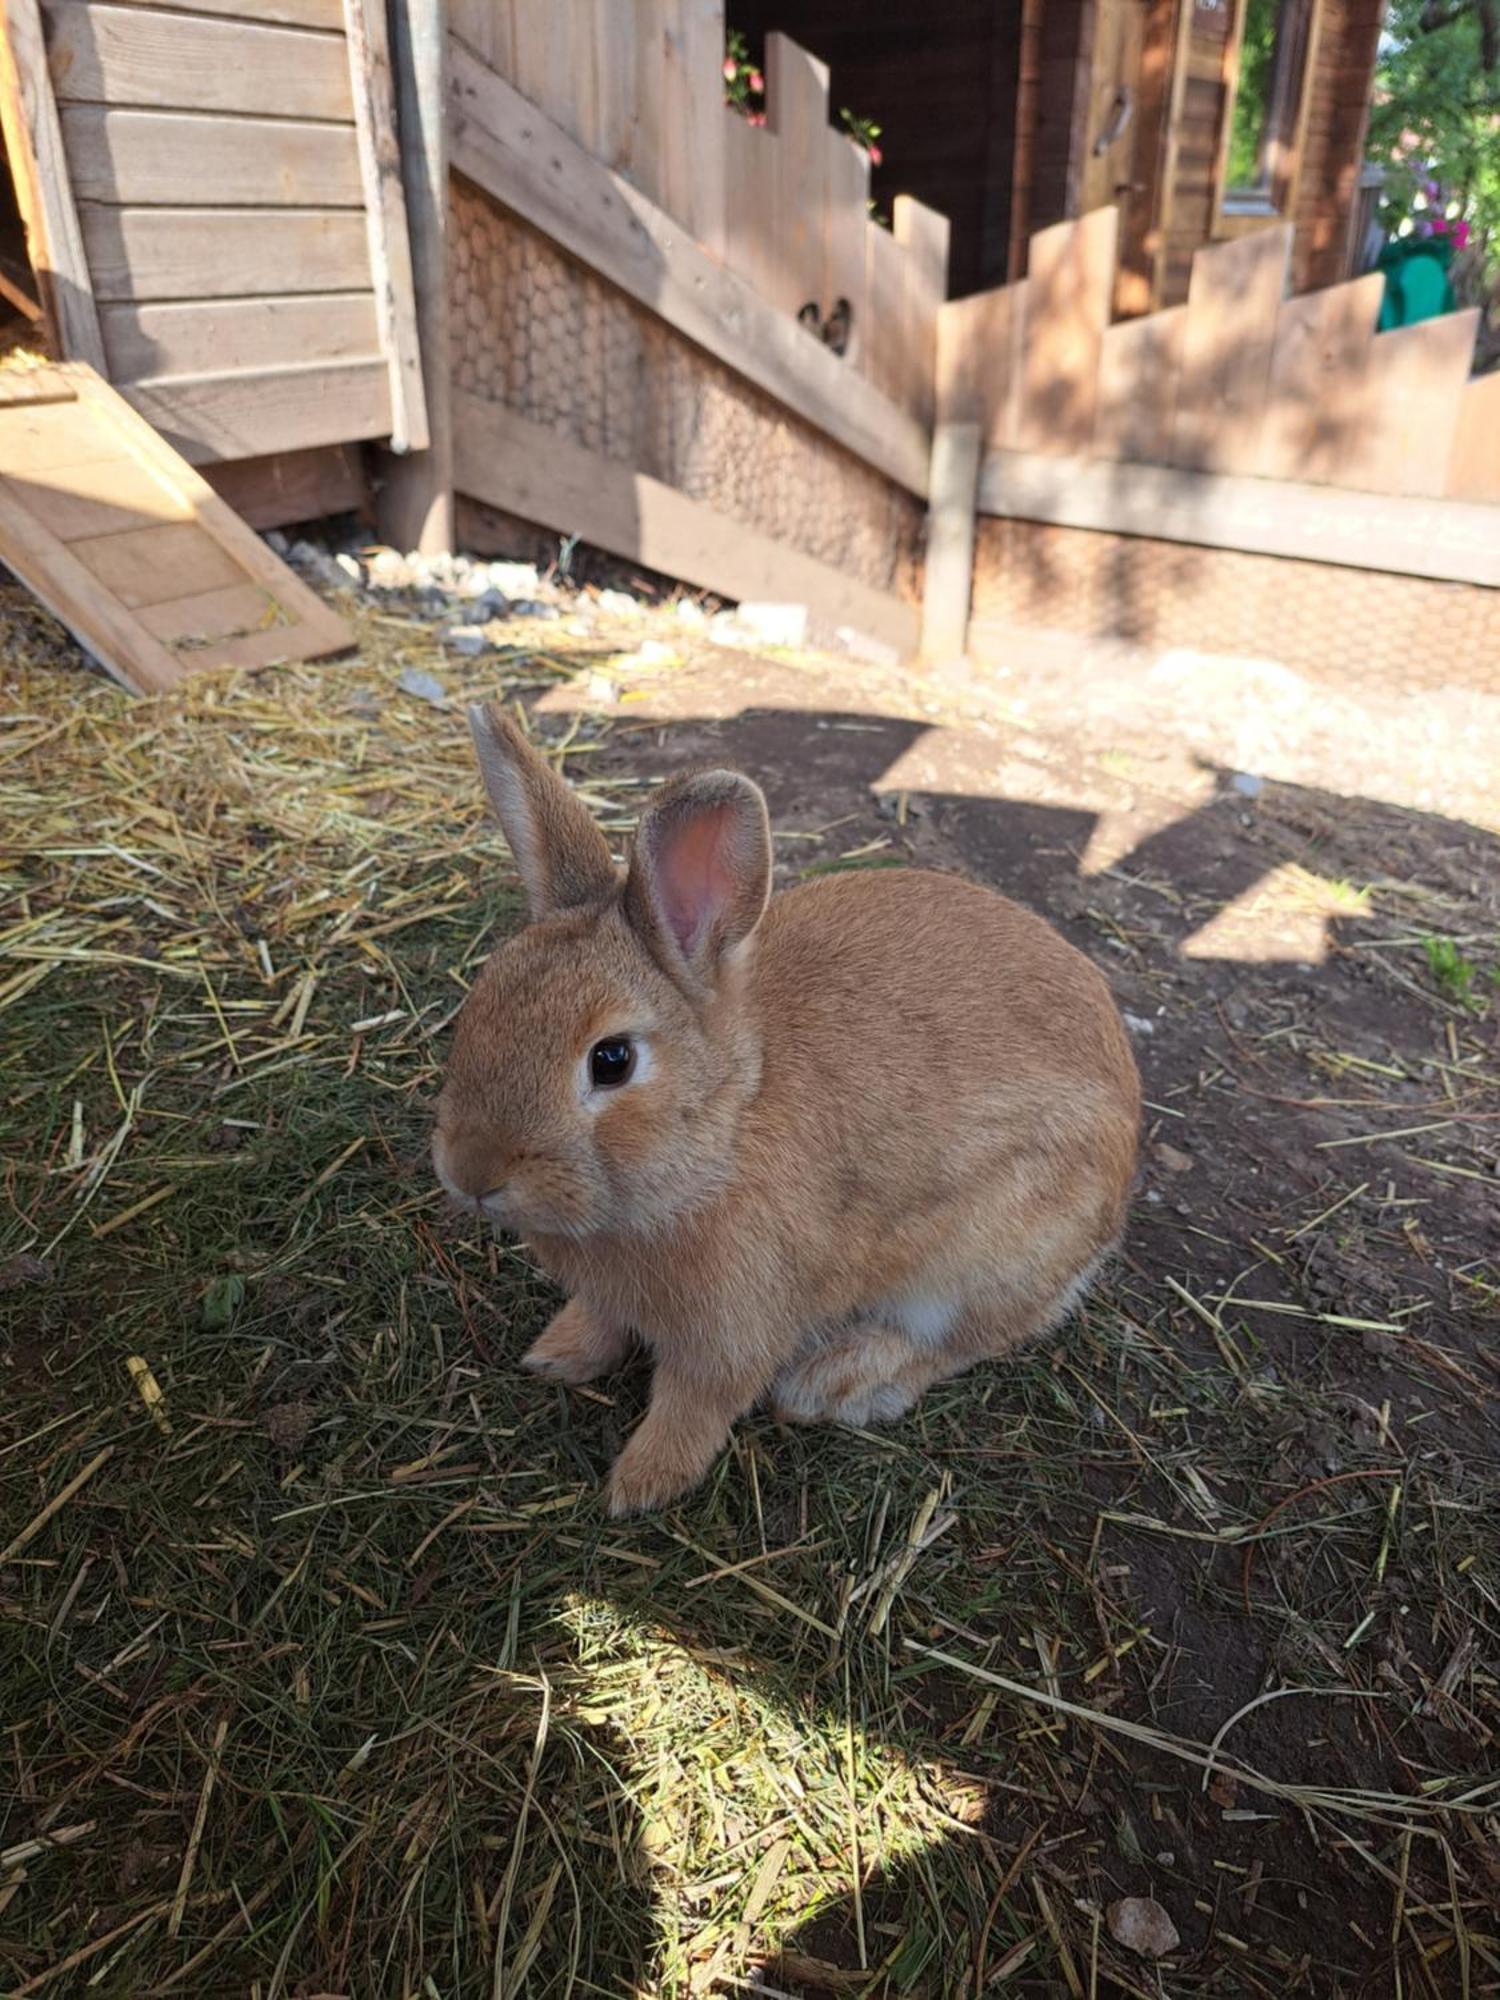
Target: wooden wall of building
{"x":1338,"y":115}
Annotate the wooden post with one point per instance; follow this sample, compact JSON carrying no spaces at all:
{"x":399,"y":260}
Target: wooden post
{"x":44,"y":193}
{"x":949,"y":573}
{"x":385,"y":217}
{"x":415,"y":504}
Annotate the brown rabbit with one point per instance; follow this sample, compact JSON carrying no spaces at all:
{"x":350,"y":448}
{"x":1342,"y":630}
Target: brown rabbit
{"x":827,"y":1150}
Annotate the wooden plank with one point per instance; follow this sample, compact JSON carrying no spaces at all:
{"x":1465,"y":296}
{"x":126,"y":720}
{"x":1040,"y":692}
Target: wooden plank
{"x":980,"y":346}
{"x":150,"y":565}
{"x":211,"y":614}
{"x":116,"y":521}
{"x":691,"y":156}
{"x":1474,"y":463}
{"x":888,"y":361}
{"x":138,"y":436}
{"x":221,"y":335}
{"x":26,"y":387}
{"x":55,"y":576}
{"x":923,"y":236}
{"x":276,"y":13}
{"x":1417,"y":378}
{"x":101,"y":496}
{"x":1234,"y":298}
{"x":502,"y":144}
{"x":1318,"y":398}
{"x":949,"y":567}
{"x":102,"y":54}
{"x":263,"y":410}
{"x":385,"y":218}
{"x":848,"y":224}
{"x":293,"y":485}
{"x":149,"y":254}
{"x":39,"y":165}
{"x":178,"y":157}
{"x":509,"y":462}
{"x":416,"y":493}
{"x":797,"y":117}
{"x":1451,"y":539}
{"x":1139,"y":364}
{"x":749,"y":201}
{"x":1071,"y":276}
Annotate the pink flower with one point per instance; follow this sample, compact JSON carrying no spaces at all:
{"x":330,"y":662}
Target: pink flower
{"x":756,"y":118}
{"x":757,"y":81}
{"x":731,"y":69}
{"x":1461,"y":234}
{"x":876,"y":156}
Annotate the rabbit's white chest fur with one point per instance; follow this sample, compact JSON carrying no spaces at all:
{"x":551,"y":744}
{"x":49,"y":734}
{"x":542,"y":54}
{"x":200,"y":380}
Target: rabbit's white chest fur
{"x":926,"y":1318}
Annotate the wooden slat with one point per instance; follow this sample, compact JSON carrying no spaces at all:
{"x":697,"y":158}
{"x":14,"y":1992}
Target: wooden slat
{"x":1417,"y":378}
{"x":1234,"y":297}
{"x":147,"y":254}
{"x":117,"y":522}
{"x":1318,"y":399}
{"x":502,"y":144}
{"x":103,"y":54}
{"x":276,"y":13}
{"x":509,"y":462}
{"x":209,"y":614}
{"x":923,"y":236}
{"x":415,"y":495}
{"x":948,"y":570}
{"x":1451,"y":539}
{"x":1474,"y":463}
{"x":149,"y":565}
{"x":979,"y":361}
{"x":1071,"y":275}
{"x":1139,"y":364}
{"x":99,"y":622}
{"x":175,"y":157}
{"x":888,"y":361}
{"x":292,"y":485}
{"x":261,"y":410}
{"x":749,"y":198}
{"x":24,"y":387}
{"x":44,"y":186}
{"x":848,"y":222}
{"x":320,"y":625}
{"x":221,"y":335}
{"x":385,"y":218}
{"x":101,"y":496}
{"x":552,"y":57}
{"x":797,"y":116}
{"x":691,"y":159}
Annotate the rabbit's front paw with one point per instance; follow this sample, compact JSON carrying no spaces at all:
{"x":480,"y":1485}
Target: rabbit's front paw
{"x":655,"y":1468}
{"x":577,"y":1346}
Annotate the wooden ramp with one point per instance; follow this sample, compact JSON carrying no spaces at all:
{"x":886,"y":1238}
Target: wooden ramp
{"x":131,"y":548}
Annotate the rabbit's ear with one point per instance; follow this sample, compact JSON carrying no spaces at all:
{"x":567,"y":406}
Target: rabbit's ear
{"x":700,"y":873}
{"x":562,"y":857}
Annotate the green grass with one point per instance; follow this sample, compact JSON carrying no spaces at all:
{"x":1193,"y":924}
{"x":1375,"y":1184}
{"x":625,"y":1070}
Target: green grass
{"x":332,"y":1677}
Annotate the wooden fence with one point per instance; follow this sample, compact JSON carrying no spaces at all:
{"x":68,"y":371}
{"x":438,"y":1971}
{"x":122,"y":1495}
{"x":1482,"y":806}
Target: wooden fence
{"x":1241,"y":420}
{"x":638,"y":85}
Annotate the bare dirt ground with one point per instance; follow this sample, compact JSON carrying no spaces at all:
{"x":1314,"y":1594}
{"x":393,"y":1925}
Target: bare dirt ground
{"x":324,"y":1673}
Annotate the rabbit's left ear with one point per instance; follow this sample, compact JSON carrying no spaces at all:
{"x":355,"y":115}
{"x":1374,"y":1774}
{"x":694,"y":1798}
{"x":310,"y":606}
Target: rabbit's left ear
{"x":700,"y":873}
{"x":560,"y":855}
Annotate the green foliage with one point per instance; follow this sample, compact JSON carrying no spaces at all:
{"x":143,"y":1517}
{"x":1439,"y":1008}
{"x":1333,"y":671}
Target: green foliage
{"x":1252,"y":93}
{"x":1437,"y":113}
{"x":1454,"y":975}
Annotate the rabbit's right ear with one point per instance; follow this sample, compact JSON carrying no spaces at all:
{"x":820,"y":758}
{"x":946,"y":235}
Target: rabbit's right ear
{"x":562,"y":857}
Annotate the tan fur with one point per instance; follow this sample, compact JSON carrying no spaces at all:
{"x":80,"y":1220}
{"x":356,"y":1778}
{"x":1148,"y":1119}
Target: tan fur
{"x":886,"y":1133}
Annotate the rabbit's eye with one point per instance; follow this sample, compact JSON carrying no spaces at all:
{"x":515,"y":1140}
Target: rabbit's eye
{"x":611,"y":1062}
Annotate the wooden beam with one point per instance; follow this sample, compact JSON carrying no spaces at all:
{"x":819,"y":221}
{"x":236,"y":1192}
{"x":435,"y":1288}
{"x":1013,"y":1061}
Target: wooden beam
{"x":385,"y":218}
{"x":509,"y":149}
{"x":44,"y":193}
{"x":415,"y":505}
{"x":263,"y":410}
{"x":949,"y":571}
{"x":292,"y":485}
{"x":1458,"y":541}
{"x":527,"y":469}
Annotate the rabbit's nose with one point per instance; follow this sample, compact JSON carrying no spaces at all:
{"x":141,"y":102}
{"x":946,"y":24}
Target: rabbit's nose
{"x":470,"y":1165}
